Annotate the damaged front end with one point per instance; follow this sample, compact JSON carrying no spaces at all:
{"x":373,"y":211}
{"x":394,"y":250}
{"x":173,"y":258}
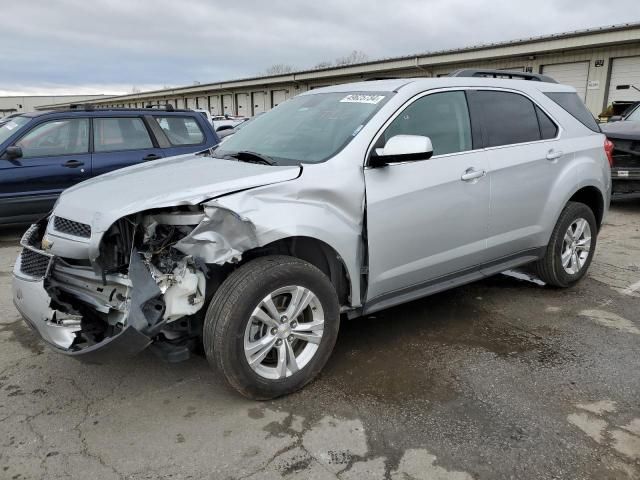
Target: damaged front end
{"x":145,"y":284}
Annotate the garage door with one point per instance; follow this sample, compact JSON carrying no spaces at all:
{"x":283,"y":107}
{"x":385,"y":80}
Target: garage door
{"x":277,"y":97}
{"x":214,"y":104}
{"x":202,"y":103}
{"x":574,"y":74}
{"x":258,"y":102}
{"x":624,"y":71}
{"x":242,"y":102}
{"x":191,"y":103}
{"x":227,"y":104}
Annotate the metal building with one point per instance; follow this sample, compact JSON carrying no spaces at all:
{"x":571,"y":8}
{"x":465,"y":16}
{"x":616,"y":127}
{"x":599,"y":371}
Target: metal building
{"x":594,"y":61}
{"x":28,"y":103}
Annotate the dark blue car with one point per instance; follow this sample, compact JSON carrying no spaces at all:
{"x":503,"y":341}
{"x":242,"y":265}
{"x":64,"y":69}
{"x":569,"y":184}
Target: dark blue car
{"x":42,"y":153}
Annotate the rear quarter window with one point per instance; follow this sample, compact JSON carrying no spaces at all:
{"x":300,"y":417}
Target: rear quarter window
{"x":507,"y":118}
{"x":181,"y":130}
{"x":570,"y":102}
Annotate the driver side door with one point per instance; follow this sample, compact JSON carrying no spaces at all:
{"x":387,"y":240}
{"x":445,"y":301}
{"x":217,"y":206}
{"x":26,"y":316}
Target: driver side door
{"x":427,"y":221}
{"x":55,"y":156}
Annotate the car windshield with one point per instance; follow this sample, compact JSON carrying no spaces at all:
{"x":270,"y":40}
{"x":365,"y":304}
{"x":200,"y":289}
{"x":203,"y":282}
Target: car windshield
{"x":11,"y":127}
{"x":635,"y":115}
{"x":307,"y":128}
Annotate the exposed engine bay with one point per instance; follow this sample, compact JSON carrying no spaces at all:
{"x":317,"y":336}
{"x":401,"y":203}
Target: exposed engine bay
{"x":140,"y":279}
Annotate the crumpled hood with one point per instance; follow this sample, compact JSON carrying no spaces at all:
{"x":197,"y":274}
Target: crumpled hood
{"x":625,"y":129}
{"x":183,"y":180}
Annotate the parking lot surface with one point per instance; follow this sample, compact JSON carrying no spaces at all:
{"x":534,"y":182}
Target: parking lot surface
{"x":504,"y":378}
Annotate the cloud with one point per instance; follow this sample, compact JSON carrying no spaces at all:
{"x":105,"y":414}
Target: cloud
{"x":111,"y":45}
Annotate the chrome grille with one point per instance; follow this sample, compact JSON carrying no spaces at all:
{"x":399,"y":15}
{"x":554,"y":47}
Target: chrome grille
{"x":70,"y":227}
{"x":33,"y":263}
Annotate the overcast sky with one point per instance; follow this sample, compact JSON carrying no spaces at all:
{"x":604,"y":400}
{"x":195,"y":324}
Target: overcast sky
{"x":111,"y":46}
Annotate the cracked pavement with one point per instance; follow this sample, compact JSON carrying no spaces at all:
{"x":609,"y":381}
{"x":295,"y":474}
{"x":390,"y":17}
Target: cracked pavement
{"x":500,"y":379}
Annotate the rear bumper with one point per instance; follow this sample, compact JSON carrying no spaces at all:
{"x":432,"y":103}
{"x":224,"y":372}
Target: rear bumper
{"x":626,"y":182}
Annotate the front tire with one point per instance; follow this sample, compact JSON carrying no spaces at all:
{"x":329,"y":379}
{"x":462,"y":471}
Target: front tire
{"x":271,"y":326}
{"x":571,"y":247}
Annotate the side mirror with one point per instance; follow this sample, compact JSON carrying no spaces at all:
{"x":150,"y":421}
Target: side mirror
{"x":402,"y":148}
{"x":615,"y":118}
{"x":13,"y":152}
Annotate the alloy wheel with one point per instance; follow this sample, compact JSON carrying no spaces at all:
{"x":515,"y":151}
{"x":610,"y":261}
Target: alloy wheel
{"x":284,"y":332}
{"x":576,"y":246}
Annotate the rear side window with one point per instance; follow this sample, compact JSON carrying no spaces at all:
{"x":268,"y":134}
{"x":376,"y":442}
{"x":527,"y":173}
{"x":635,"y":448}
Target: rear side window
{"x":548,"y":129}
{"x":56,"y":137}
{"x":181,"y":130}
{"x":443,"y":117}
{"x":115,"y":134}
{"x":507,"y":118}
{"x":572,"y":104}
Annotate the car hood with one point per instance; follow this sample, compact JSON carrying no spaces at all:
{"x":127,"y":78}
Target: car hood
{"x":182,"y":180}
{"x":625,"y":129}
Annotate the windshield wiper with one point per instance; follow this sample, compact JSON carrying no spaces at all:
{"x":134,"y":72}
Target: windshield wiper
{"x":252,"y":157}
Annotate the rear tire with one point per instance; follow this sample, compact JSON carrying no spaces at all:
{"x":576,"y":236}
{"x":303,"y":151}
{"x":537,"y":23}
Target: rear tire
{"x":571,"y":247}
{"x":249,"y":337}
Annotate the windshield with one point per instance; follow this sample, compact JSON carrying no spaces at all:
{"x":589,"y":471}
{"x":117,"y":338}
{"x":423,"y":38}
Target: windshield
{"x":635,"y":115}
{"x":11,"y":127}
{"x":307,"y":128}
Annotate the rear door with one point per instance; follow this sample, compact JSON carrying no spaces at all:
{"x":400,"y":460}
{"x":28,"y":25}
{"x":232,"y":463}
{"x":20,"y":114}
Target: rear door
{"x":427,"y":220}
{"x":120,"y":142}
{"x":524,"y":160}
{"x":55,"y":156}
{"x":181,"y":134}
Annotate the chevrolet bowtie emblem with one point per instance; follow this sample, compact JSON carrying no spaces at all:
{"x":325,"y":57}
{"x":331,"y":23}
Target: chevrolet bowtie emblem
{"x":46,"y":244}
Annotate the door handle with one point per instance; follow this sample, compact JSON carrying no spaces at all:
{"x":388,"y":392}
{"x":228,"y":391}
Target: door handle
{"x":554,"y":154}
{"x":151,"y":156}
{"x":472,"y":174}
{"x":73,"y":164}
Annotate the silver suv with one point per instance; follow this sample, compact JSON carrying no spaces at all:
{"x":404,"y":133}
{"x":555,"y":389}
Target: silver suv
{"x":338,"y":203}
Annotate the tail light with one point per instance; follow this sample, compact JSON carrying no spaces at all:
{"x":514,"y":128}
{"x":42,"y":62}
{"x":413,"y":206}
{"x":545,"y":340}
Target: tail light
{"x":608,"y":149}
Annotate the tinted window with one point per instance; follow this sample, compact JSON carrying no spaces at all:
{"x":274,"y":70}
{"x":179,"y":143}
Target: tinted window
{"x":443,"y":117}
{"x":572,"y":104}
{"x":181,"y":130}
{"x":56,"y":137}
{"x":114,"y":134}
{"x":507,"y":118}
{"x":548,"y":129}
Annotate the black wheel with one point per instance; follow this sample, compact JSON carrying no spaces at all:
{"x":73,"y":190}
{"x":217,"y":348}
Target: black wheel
{"x":271,"y":326}
{"x":571,"y":247}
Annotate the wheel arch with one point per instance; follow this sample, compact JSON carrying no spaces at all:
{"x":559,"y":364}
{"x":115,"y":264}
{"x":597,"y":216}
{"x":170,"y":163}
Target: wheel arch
{"x":318,"y":253}
{"x":593,"y":198}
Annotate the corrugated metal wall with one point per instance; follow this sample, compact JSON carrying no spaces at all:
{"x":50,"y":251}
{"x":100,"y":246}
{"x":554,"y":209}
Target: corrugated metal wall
{"x":238,"y":99}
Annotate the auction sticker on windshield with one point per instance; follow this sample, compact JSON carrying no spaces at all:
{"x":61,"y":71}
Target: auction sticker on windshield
{"x":361,"y":98}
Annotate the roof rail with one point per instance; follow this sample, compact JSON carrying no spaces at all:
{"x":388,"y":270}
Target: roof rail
{"x":507,"y":74}
{"x":374,"y":79}
{"x":167,"y":106}
{"x":87,"y":107}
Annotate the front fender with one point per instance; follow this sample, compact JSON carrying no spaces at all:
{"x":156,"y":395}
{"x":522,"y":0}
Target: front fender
{"x":333,"y":215}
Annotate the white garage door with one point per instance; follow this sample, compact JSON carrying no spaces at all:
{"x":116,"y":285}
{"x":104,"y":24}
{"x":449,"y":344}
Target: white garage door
{"x":277,"y":97}
{"x":202,"y":103}
{"x":258,"y":102}
{"x":574,"y":74}
{"x":214,"y":104}
{"x":242,"y":102}
{"x":624,"y":71}
{"x":227,"y":104}
{"x":191,"y":103}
